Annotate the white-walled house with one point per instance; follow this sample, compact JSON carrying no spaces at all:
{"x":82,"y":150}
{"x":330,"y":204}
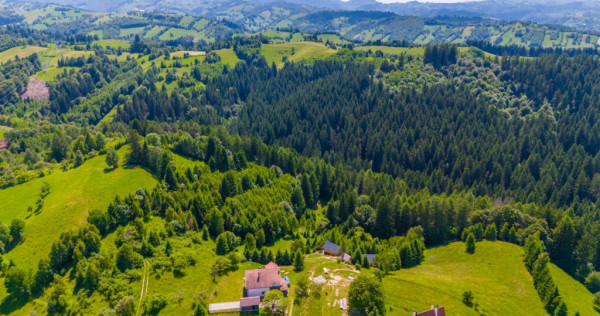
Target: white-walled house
{"x":261,"y":281}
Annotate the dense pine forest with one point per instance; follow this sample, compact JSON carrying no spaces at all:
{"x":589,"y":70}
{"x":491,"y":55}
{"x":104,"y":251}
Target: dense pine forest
{"x":176,"y":164}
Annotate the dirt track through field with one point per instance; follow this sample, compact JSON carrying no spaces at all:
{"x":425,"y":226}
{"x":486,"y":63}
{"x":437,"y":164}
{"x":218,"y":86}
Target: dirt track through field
{"x":144,"y":290}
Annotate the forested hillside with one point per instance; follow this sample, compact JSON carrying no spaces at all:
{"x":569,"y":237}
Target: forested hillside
{"x":161,"y":156}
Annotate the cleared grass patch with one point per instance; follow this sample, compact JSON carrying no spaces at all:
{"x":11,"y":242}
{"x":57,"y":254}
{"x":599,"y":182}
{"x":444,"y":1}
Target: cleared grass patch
{"x":72,"y":195}
{"x":574,"y":294}
{"x":113,"y":43}
{"x":155,"y":31}
{"x":180,"y":54}
{"x":228,"y":56}
{"x":175,"y":33}
{"x":21,"y":52}
{"x":131,"y":31}
{"x":412,"y":51}
{"x":495,"y":274}
{"x":302,"y":51}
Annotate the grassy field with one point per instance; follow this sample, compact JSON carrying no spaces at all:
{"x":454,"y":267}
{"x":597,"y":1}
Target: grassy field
{"x":154,"y":31}
{"x":113,"y":43}
{"x":412,"y":51}
{"x":575,"y":295}
{"x":131,"y":31}
{"x":333,"y":38}
{"x":495,"y":274}
{"x":175,"y":33}
{"x":336,"y":288}
{"x":21,"y":51}
{"x":72,"y":195}
{"x":303,"y":51}
{"x":50,"y":74}
{"x":99,"y":33}
{"x":228,"y":56}
{"x":50,"y":15}
{"x":192,"y":53}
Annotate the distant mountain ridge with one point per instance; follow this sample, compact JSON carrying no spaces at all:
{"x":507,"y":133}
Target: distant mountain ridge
{"x":577,"y":14}
{"x":366,"y":25}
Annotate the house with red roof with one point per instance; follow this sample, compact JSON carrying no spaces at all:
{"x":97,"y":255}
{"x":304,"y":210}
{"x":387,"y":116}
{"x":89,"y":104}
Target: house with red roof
{"x":261,"y":281}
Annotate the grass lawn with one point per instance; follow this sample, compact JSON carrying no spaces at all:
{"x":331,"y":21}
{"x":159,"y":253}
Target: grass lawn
{"x":333,"y":38}
{"x":114,"y":43}
{"x":21,"y":51}
{"x":231,"y":286}
{"x":495,"y":274}
{"x":72,"y":195}
{"x":200,"y":24}
{"x":50,"y":73}
{"x":192,"y":53}
{"x":154,"y":31}
{"x":186,"y":21}
{"x":338,"y":283}
{"x":175,"y":33}
{"x":412,"y":51}
{"x":577,"y":297}
{"x":131,"y":31}
{"x":100,"y":33}
{"x":303,"y":51}
{"x":228,"y":57}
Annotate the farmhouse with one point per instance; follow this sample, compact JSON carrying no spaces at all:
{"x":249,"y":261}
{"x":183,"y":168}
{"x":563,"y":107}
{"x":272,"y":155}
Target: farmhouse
{"x":261,"y":281}
{"x":330,"y":248}
{"x":434,"y":311}
{"x":258,"y":282}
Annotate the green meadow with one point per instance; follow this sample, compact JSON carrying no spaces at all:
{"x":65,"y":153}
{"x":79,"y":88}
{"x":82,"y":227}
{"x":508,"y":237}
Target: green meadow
{"x":21,"y":52}
{"x":228,"y":57}
{"x":411,"y":51}
{"x":301,"y":51}
{"x":495,"y":274}
{"x":73,"y":194}
{"x":577,"y":297}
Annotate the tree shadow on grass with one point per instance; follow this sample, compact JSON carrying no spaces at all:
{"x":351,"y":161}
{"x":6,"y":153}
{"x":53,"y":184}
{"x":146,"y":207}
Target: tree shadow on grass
{"x":12,"y":303}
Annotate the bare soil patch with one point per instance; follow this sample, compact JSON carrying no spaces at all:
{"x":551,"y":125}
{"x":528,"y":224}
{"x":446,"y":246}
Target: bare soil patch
{"x":36,"y":90}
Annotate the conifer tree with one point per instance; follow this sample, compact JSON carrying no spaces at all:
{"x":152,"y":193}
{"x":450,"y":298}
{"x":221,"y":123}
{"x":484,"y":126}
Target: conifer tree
{"x":298,"y":261}
{"x":470,"y":243}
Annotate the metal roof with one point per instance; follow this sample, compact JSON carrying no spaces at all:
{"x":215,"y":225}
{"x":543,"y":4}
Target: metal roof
{"x":223,"y":306}
{"x":331,"y":247}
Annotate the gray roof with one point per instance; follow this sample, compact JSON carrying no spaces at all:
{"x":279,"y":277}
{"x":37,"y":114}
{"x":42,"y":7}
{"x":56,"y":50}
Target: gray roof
{"x":331,"y":247}
{"x":370,"y":257}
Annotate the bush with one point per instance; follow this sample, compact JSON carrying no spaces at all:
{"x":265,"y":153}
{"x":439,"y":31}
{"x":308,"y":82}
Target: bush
{"x":156,"y":304}
{"x":467,"y":298}
{"x":592,"y":282}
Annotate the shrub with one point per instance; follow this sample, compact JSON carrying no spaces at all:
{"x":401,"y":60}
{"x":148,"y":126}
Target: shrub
{"x":467,"y":298}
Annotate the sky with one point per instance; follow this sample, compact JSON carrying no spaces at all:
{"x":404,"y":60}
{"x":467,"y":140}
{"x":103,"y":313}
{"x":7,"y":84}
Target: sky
{"x":435,"y":1}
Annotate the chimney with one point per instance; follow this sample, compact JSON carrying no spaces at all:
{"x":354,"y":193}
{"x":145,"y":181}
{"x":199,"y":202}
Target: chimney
{"x":414,"y":313}
{"x":436,"y":311}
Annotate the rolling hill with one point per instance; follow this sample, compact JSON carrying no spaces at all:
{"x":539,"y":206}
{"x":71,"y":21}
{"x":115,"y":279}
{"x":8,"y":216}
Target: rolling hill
{"x":495,"y":274}
{"x":73,"y":194}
